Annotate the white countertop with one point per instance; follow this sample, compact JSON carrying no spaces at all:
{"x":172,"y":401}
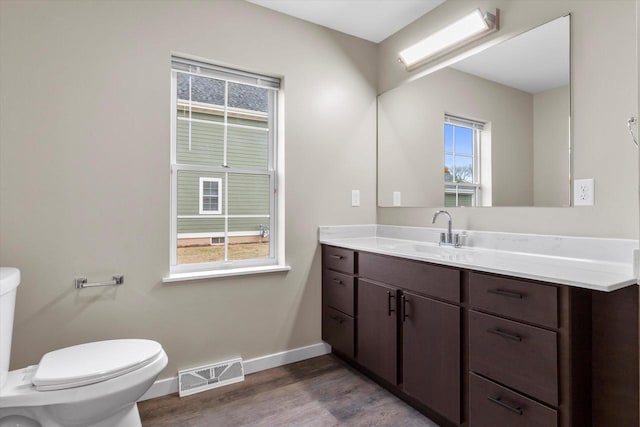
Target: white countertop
{"x":537,"y":257}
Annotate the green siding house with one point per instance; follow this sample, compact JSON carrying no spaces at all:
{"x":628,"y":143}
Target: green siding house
{"x":210,"y":202}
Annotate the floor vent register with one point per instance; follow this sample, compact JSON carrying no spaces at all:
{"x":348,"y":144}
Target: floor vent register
{"x":206,"y":377}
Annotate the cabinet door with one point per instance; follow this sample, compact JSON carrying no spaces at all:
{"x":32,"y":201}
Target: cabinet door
{"x":431,"y":353}
{"x":377,"y":336}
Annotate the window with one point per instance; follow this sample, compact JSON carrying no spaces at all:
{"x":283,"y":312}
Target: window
{"x":223,"y":168}
{"x":210,"y":195}
{"x":461,"y":161}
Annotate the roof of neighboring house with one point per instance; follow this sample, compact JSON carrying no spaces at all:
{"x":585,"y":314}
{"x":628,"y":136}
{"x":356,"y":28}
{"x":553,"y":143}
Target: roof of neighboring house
{"x":211,"y":91}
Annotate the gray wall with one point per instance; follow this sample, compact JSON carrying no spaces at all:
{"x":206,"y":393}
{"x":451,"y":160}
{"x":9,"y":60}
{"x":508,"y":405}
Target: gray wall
{"x":551,"y":177}
{"x":604,"y":95}
{"x":411,"y":137}
{"x":84,"y":171}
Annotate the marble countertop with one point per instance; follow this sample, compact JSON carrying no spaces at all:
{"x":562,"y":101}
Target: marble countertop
{"x":533,"y":258}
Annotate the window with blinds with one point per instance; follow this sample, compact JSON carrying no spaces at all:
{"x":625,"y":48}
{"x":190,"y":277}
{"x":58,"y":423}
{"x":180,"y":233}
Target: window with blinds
{"x":223,"y":167}
{"x":462,"y":139}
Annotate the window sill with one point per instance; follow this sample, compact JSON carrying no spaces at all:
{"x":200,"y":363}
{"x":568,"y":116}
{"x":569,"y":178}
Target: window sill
{"x":212,"y":274}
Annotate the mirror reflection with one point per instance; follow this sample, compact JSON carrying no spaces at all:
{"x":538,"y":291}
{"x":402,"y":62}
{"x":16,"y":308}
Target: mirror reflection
{"x":490,"y":130}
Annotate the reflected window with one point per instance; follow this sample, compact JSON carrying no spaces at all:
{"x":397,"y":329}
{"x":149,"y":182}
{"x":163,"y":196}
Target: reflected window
{"x":462,"y":140}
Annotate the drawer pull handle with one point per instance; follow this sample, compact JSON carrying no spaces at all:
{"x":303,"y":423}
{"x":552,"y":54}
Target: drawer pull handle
{"x":389,"y":306}
{"x":338,"y":319}
{"x":499,"y":402}
{"x":504,"y":293}
{"x":337,"y":256}
{"x":338,"y":281}
{"x":504,"y":334}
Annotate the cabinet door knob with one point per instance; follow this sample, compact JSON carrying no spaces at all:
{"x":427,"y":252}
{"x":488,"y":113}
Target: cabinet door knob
{"x":504,"y":334}
{"x":389,"y":306}
{"x":337,"y":256}
{"x":499,"y":402}
{"x":338,"y":281}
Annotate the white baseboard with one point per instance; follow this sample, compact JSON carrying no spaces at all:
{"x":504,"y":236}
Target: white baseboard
{"x":285,"y":357}
{"x":170,"y":385}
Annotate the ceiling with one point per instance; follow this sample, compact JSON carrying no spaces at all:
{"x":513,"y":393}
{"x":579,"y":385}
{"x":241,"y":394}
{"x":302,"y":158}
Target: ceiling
{"x":372,"y":20}
{"x":534,"y":61}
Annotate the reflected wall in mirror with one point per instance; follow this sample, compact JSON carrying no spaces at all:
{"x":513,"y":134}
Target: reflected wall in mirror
{"x":490,"y":130}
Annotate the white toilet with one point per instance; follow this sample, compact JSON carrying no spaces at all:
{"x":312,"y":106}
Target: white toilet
{"x":88,"y":385}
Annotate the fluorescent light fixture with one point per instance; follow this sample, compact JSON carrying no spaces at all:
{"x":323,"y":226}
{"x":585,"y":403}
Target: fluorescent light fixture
{"x":464,"y":30}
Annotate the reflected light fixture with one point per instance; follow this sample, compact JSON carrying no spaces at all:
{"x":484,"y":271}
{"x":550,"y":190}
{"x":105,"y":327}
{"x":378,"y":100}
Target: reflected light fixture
{"x":465,"y":30}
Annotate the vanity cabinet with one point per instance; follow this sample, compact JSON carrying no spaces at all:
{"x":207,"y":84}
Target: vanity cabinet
{"x":475,"y":349}
{"x":377,"y":329}
{"x":529,"y":352}
{"x":338,"y":299}
{"x":431,"y":353}
{"x":408,"y":329}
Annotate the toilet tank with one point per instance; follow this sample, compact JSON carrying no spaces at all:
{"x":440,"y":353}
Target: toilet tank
{"x":9,"y":281}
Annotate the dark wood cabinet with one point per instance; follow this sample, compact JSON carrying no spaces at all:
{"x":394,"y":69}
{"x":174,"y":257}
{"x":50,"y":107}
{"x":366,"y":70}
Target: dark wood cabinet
{"x":377,"y":330}
{"x":338,"y":300}
{"x":338,"y":291}
{"x":521,"y":356}
{"x":491,"y":405}
{"x":427,"y":279}
{"x":431,"y":353}
{"x":476,"y":349}
{"x":513,"y":298}
{"x":338,"y":329}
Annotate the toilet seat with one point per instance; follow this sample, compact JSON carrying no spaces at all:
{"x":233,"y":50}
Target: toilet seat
{"x":93,"y":362}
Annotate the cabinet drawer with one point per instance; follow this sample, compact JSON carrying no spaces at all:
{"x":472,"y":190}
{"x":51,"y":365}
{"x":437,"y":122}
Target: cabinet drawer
{"x":519,"y":356}
{"x":338,"y":259}
{"x":491,"y":405}
{"x":529,"y":302}
{"x":427,"y":279}
{"x":337,"y":330}
{"x":337,"y":291}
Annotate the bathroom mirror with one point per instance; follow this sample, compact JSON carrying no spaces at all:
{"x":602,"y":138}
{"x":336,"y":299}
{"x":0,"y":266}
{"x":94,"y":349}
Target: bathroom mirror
{"x":490,"y":130}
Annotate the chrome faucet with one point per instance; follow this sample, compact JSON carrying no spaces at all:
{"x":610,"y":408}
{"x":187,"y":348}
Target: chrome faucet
{"x":445,"y":239}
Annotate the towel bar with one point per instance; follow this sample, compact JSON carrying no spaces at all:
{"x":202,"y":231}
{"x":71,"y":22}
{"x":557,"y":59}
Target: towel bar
{"x":81,"y":282}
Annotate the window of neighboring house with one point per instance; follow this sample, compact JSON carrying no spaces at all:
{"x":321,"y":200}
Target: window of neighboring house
{"x":223,"y":168}
{"x":461,"y":161}
{"x":210,"y":195}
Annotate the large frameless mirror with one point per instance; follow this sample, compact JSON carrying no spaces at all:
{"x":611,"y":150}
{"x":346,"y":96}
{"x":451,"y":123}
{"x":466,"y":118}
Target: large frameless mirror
{"x":490,"y":130}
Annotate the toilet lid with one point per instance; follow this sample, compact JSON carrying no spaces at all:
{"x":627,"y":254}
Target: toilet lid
{"x":92,"y":362}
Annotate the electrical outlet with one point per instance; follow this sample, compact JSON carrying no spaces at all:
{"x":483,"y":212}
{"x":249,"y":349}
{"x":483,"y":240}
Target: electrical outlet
{"x":397,"y":198}
{"x":355,"y":197}
{"x":583,"y":192}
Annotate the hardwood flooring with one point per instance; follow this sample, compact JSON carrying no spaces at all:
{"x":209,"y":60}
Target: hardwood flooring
{"x":319,"y":392}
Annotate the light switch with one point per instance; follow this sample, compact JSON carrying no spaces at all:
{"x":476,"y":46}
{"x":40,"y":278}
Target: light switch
{"x":355,"y":197}
{"x":397,"y":198}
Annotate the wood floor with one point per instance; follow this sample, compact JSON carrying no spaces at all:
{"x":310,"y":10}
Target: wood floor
{"x":323,"y":391}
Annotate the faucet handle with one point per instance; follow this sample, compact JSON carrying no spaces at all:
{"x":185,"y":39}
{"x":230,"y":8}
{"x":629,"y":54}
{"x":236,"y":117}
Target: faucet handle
{"x":443,"y":239}
{"x":459,"y":240}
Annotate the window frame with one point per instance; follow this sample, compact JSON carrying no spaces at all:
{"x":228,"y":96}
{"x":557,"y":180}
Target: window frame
{"x":203,"y":211}
{"x":274,"y":171}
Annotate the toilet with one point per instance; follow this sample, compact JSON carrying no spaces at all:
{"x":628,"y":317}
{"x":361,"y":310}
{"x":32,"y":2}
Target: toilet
{"x":95,"y":384}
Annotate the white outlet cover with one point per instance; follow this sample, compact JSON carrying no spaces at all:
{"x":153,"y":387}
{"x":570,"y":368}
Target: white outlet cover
{"x":397,"y":198}
{"x":355,"y":197}
{"x":583,"y":192}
